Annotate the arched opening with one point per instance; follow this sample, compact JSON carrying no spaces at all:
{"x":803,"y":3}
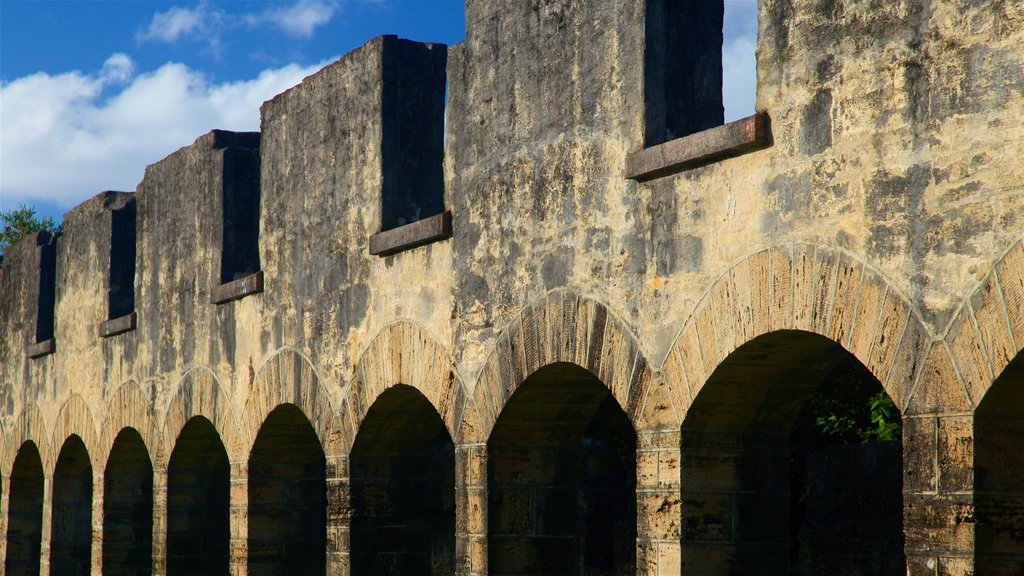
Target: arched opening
{"x":25,"y":513}
{"x":287,"y":497}
{"x":403,"y":489}
{"x":791,"y":463}
{"x":128,"y":507}
{"x":999,"y":475}
{"x":198,"y":502}
{"x":562,"y":479}
{"x":71,"y":524}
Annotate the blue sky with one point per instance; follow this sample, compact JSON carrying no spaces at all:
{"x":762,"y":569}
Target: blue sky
{"x":93,"y":91}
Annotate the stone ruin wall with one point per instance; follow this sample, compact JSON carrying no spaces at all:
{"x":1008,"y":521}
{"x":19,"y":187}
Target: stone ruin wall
{"x":533,"y":220}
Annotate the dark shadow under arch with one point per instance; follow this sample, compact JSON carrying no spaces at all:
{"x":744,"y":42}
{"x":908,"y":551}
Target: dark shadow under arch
{"x":198,"y":502}
{"x":128,"y":507}
{"x":287,"y":497}
{"x":999,"y":475}
{"x":25,"y":513}
{"x":562,"y":479}
{"x":71,"y":524}
{"x":778,"y":474}
{"x":403,"y":488}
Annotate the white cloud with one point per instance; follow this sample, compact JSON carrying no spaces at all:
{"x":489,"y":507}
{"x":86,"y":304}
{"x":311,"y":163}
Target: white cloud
{"x":69,"y":136}
{"x":300,"y":19}
{"x":177,"y":22}
{"x":118,"y":68}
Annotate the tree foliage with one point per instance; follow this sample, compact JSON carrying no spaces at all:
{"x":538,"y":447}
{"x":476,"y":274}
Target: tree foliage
{"x":21,"y":222}
{"x":876,"y":421}
{"x":850,"y":407}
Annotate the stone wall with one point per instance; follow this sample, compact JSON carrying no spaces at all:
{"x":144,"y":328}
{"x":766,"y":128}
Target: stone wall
{"x":282,"y":282}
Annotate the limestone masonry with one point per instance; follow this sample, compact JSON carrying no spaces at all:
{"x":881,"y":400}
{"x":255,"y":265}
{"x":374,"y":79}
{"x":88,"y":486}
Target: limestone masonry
{"x":524,"y":305}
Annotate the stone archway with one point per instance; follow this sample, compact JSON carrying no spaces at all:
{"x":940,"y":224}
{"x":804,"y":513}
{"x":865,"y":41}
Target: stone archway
{"x":287,"y":487}
{"x":402,"y":478}
{"x":128,"y":507}
{"x":198,"y":502}
{"x":999,"y":474}
{"x":25,"y":512}
{"x":566,"y":337}
{"x":562,"y":478}
{"x":71,"y":506}
{"x":986,"y":353}
{"x":405,"y":360}
{"x":787,"y":299}
{"x":783,"y":470}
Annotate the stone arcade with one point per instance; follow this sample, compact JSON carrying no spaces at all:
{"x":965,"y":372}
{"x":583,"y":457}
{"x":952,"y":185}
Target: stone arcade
{"x":564,"y":322}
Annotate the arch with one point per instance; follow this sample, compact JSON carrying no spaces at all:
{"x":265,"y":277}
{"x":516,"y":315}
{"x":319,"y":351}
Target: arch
{"x":25,"y":512}
{"x":200,"y":394}
{"x":987,"y":333}
{"x":128,"y":506}
{"x":76,"y":419}
{"x":998,"y":473}
{"x":30,"y":426}
{"x":287,"y":496}
{"x":402,"y":471}
{"x":405,"y":353}
{"x":562,"y":478}
{"x":783,"y":467}
{"x":807,"y":288}
{"x":565,"y":327}
{"x":71,"y":510}
{"x":198,"y":501}
{"x":288,"y":378}
{"x":128,"y":407}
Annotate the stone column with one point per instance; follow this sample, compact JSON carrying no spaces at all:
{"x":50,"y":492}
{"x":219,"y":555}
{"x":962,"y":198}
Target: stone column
{"x":938,"y":473}
{"x":238,"y":518}
{"x":471,"y":509}
{"x":339,"y":516}
{"x":47,"y":526}
{"x":160,"y":519}
{"x":658,"y":503}
{"x":97,"y":524}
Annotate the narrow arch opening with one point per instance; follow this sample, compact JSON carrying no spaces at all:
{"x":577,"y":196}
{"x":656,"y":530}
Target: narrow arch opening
{"x":198,"y":502}
{"x":403,"y":488}
{"x":791,"y":463}
{"x":25,"y":513}
{"x":999,"y":474}
{"x":287,"y":497}
{"x":128,"y":507}
{"x":562,"y":479}
{"x":71,"y":524}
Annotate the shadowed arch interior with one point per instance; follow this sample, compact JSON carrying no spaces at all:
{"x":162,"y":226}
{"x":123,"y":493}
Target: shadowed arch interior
{"x":999,"y":474}
{"x":198,"y":502}
{"x":25,"y":513}
{"x":764,"y":490}
{"x":562,"y":479}
{"x":128,"y":507}
{"x":403,"y":488}
{"x":287,"y":497}
{"x":71,"y":524}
